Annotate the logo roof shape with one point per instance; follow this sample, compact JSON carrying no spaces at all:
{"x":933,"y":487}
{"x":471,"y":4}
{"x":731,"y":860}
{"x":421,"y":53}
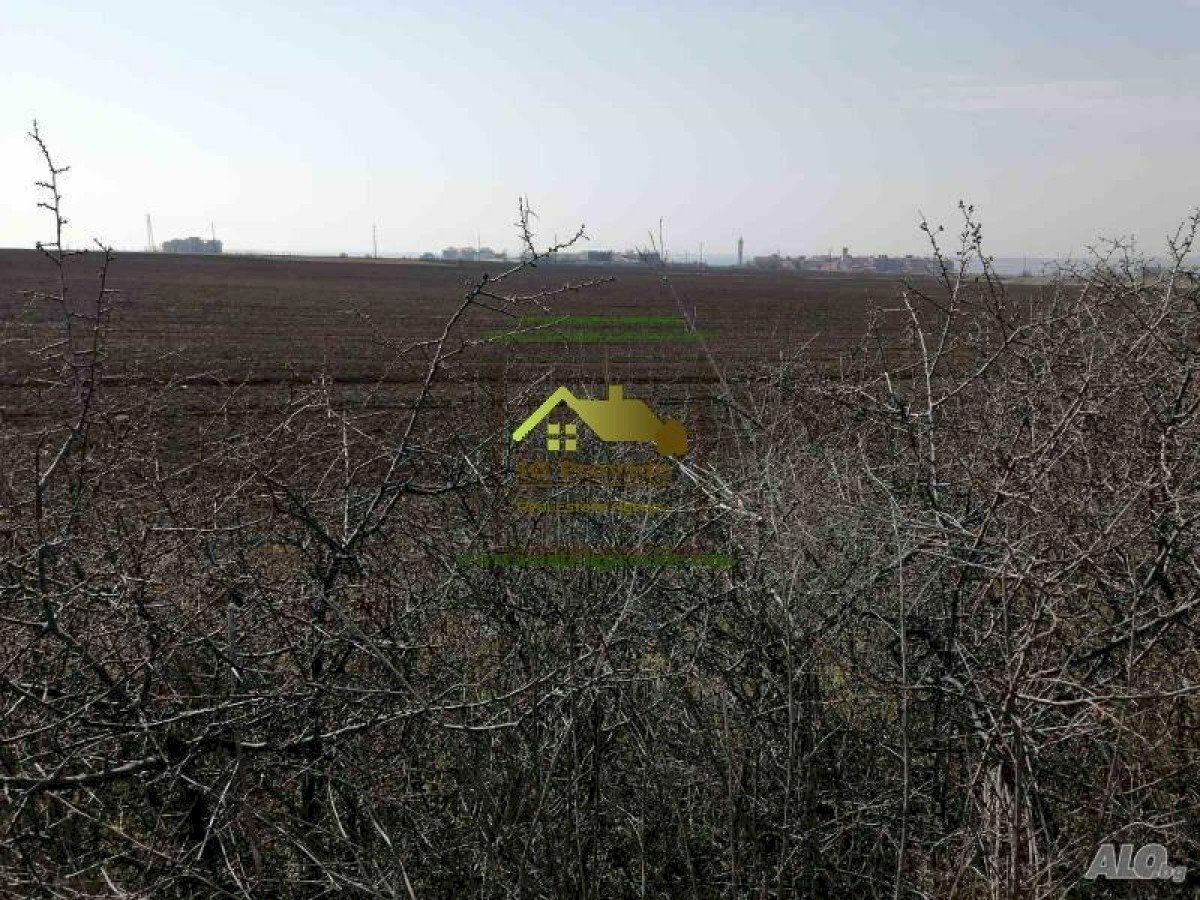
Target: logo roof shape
{"x":614,"y":419}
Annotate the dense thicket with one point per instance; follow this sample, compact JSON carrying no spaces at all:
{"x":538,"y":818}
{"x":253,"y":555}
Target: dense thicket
{"x":956,"y":653}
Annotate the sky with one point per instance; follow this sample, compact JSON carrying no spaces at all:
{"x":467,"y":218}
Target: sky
{"x":296,"y":126}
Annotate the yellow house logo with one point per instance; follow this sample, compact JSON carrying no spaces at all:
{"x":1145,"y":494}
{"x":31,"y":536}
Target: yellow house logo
{"x":612,"y":419}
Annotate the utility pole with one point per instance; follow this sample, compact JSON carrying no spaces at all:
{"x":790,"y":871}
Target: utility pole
{"x":374,"y":242}
{"x":151,"y":247}
{"x":212,"y":229}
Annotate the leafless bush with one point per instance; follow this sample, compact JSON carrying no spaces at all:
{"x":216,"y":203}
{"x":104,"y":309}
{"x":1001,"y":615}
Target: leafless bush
{"x":957,"y":650}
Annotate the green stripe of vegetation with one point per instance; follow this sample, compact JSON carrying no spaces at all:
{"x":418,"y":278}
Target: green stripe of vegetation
{"x":601,"y":320}
{"x":598,"y":337}
{"x":601,"y":561}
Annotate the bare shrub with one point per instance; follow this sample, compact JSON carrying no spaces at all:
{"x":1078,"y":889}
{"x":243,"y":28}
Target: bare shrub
{"x":956,"y":652}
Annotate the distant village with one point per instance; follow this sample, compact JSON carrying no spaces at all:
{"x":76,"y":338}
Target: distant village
{"x":906,"y":265}
{"x":881,"y":263}
{"x":585,"y":257}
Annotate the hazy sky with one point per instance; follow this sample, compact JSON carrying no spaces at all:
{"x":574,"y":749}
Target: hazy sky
{"x":803,"y":126}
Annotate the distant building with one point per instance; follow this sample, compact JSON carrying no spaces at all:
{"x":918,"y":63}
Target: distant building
{"x":881,"y":264}
{"x":471,"y":254}
{"x":191,"y":245}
